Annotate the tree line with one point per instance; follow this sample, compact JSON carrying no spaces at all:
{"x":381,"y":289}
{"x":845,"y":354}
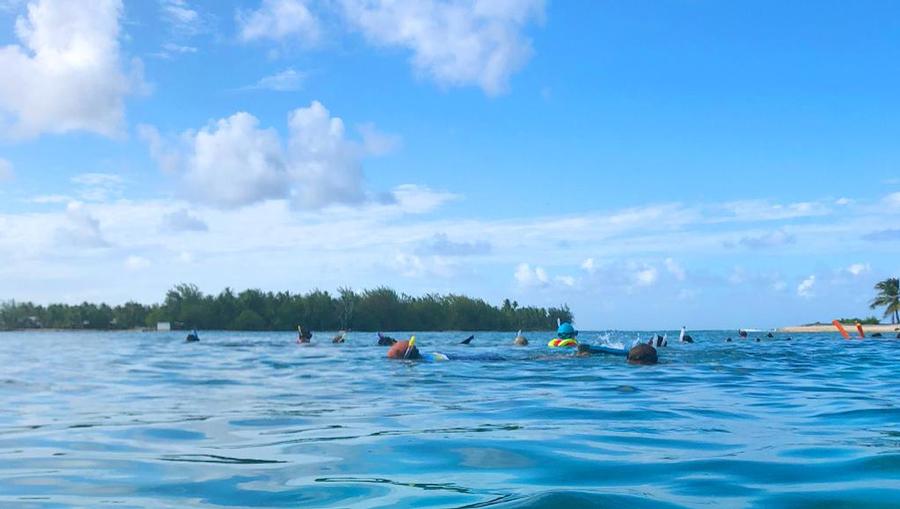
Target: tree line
{"x":379,"y":309}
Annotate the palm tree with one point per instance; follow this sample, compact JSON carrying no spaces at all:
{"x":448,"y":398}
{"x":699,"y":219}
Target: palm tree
{"x":889,"y":297}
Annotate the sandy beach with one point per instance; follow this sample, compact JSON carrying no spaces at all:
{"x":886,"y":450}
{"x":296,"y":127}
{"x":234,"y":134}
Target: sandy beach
{"x":851,"y":328}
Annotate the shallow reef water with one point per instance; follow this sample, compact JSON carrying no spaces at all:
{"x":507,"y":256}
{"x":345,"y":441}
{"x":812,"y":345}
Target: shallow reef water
{"x":131,"y":419}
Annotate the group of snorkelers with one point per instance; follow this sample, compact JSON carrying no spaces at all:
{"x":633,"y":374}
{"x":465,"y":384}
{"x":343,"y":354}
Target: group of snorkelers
{"x":566,"y":337}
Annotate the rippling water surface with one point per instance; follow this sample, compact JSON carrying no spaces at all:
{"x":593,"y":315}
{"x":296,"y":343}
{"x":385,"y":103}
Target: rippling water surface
{"x":254,"y":420}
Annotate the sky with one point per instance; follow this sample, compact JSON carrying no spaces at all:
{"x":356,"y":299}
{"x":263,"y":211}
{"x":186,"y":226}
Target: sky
{"x":650,"y":164}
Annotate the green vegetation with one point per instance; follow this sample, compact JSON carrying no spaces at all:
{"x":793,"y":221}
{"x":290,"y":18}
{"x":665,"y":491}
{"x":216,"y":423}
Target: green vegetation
{"x":185,"y":306}
{"x":864,"y":321}
{"x":888,"y":296}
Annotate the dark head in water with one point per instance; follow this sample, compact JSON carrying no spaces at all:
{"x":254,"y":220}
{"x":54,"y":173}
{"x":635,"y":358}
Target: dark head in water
{"x":687,"y":339}
{"x":758,"y":340}
{"x":467,"y":340}
{"x":642,"y":354}
{"x":339,"y":337}
{"x":770,"y":335}
{"x":876,"y":335}
{"x":303,"y":335}
{"x":742,"y":333}
{"x":728,"y":340}
{"x":193,"y":336}
{"x":385,"y":340}
{"x":402,"y":350}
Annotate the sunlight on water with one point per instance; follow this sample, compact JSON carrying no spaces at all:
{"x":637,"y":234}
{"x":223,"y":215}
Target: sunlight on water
{"x":254,"y":420}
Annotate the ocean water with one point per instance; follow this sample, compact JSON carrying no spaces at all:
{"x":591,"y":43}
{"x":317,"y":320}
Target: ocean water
{"x":254,"y":420}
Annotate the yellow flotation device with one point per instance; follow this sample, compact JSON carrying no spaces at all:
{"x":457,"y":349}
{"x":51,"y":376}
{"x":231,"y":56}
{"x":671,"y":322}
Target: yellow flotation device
{"x":562,"y":343}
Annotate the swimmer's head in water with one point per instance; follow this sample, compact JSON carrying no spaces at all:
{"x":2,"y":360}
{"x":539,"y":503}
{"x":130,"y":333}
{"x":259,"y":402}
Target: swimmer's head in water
{"x":583,"y":350}
{"x":642,"y":354}
{"x":520,"y":341}
{"x":566,"y":331}
{"x":402,"y":350}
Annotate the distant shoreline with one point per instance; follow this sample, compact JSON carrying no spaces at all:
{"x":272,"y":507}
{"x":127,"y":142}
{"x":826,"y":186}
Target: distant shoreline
{"x":851,"y":328}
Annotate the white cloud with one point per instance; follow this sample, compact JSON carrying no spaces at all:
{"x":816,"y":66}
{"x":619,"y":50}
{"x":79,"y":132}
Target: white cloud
{"x":453,"y":42}
{"x":66,"y":74}
{"x":6,"y":170}
{"x":135,"y":263}
{"x":858,"y":269}
{"x":98,"y":186}
{"x":279,"y":20}
{"x":843,"y":202}
{"x":805,"y":288}
{"x":675,"y":269}
{"x":646,"y":276}
{"x":892,"y":200}
{"x":565,"y":280}
{"x":183,"y":221}
{"x":589,"y":266}
{"x":181,"y":16}
{"x":415,"y":266}
{"x":766,"y":240}
{"x":287,"y":80}
{"x":234,"y":162}
{"x":81,"y":229}
{"x":527,"y":276}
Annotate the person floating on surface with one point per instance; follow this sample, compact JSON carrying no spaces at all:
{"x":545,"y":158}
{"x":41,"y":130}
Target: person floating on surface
{"x":192,"y":337}
{"x":565,"y":336}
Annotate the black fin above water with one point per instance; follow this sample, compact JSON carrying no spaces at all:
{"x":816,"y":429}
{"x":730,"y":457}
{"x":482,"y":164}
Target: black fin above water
{"x":467,"y":340}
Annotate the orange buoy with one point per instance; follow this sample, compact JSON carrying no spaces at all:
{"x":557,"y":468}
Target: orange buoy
{"x":841,"y":329}
{"x":859,"y":329}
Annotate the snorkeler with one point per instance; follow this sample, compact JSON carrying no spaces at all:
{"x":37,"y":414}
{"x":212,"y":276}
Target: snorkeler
{"x":565,"y":336}
{"x":407,"y":350}
{"x":340,"y":337}
{"x":192,"y":337}
{"x":303,"y":335}
{"x":640,"y":353}
{"x":520,"y":339}
{"x":385,"y":340}
{"x":684,"y":337}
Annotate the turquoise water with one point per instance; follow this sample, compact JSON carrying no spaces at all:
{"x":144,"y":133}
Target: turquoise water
{"x":254,"y":420}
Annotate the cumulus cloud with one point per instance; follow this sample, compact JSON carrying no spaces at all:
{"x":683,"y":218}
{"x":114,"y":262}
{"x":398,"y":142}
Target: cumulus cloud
{"x":287,"y":80}
{"x":440,"y":244}
{"x":527,"y":276}
{"x":6,"y":170}
{"x":279,"y":20}
{"x":81,"y":228}
{"x":453,"y":42}
{"x":233,"y":162}
{"x":645,"y":276}
{"x":66,"y":73}
{"x":805,"y":288}
{"x":183,"y":221}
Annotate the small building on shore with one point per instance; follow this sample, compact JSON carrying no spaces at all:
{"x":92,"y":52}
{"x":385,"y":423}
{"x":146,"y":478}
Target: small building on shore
{"x":163,"y":326}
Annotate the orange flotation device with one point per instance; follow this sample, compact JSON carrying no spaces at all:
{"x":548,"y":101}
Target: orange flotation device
{"x":562,"y":343}
{"x":841,"y":329}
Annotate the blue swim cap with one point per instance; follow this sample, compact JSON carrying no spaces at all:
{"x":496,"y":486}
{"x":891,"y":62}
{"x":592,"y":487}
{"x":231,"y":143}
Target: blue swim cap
{"x":565,"y":328}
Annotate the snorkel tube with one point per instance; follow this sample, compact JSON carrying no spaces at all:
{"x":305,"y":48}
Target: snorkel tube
{"x":409,"y":347}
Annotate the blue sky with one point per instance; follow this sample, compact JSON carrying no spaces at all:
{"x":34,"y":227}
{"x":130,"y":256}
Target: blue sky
{"x":652,"y":164}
